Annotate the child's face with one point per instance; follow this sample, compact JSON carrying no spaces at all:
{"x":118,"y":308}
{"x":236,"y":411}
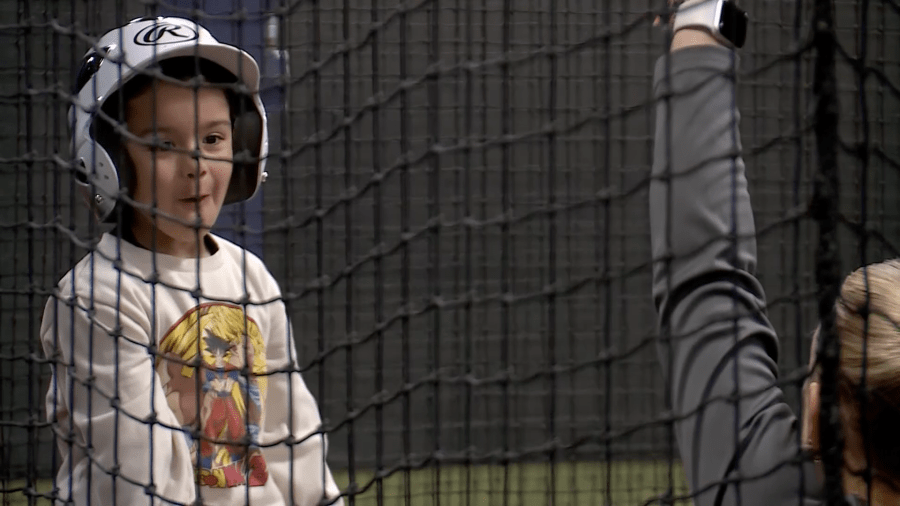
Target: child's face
{"x":175,"y":123}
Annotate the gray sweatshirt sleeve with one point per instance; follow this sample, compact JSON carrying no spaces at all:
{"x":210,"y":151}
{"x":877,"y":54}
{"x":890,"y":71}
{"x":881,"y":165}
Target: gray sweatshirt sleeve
{"x":738,"y":439}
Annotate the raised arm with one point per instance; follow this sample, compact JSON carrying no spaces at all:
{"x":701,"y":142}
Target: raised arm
{"x":738,"y":439}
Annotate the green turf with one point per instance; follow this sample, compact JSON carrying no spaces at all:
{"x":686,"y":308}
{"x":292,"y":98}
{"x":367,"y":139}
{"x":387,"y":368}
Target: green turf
{"x":582,"y":483}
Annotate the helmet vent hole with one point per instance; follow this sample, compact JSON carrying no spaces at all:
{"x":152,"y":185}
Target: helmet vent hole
{"x":89,"y":66}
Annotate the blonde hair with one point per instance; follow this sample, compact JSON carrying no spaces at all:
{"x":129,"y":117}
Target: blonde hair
{"x":866,"y":317}
{"x":228,"y":323}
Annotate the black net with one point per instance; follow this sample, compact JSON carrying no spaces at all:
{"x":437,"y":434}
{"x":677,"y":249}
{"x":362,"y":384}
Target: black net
{"x":456,"y":214}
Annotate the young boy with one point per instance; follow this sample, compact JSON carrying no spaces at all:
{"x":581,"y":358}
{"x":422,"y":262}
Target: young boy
{"x":175,"y":376}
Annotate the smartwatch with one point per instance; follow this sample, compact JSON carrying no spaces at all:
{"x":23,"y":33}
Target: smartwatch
{"x":722,"y":18}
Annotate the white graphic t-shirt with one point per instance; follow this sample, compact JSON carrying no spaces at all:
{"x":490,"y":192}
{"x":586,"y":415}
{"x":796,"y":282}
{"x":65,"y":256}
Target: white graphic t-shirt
{"x":181,"y":377}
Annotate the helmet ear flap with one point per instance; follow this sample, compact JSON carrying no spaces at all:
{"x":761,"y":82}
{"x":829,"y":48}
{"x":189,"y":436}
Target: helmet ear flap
{"x":113,"y":159}
{"x":96,"y":176}
{"x":247,"y":138}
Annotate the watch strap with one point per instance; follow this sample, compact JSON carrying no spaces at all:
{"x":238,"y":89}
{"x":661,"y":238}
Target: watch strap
{"x":699,"y":14}
{"x":722,"y":18}
{"x":706,"y":14}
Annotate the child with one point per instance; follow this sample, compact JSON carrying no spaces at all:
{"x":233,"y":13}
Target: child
{"x":174,"y":369}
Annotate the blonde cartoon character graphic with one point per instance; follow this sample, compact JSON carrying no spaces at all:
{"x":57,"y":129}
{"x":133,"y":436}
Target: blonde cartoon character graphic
{"x":224,"y":402}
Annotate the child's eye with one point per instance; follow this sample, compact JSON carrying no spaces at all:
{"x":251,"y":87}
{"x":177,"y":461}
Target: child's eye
{"x":159,"y":144}
{"x":213,"y":139}
{"x":162,"y":142}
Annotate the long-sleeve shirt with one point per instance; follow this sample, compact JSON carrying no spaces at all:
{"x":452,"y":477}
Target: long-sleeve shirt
{"x":174,"y":377}
{"x":739,"y":440}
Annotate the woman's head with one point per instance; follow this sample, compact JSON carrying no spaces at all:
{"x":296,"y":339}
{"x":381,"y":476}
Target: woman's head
{"x":866,"y":318}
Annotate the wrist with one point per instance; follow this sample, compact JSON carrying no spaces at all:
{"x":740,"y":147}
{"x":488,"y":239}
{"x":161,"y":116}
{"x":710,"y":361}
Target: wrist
{"x":724,"y":22}
{"x":693,"y":37}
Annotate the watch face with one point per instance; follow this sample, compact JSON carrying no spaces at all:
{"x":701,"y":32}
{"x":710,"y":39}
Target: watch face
{"x":733,"y":24}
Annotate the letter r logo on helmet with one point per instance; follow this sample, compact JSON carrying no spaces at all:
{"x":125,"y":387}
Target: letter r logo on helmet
{"x":164,"y":33}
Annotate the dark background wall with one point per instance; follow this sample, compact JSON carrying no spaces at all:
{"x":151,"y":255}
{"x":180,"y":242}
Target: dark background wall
{"x":456,"y":210}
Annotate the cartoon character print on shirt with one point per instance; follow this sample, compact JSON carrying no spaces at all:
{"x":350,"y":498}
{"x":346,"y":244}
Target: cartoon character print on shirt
{"x":224,"y":402}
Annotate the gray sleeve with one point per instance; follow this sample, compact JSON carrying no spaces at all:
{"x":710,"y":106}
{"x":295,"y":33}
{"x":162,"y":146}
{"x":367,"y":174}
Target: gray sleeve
{"x":738,"y":439}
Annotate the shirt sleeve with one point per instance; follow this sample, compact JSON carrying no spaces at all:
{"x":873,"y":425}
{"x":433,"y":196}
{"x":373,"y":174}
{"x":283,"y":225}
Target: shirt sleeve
{"x":738,"y":439}
{"x":121,"y":443}
{"x":297,"y":448}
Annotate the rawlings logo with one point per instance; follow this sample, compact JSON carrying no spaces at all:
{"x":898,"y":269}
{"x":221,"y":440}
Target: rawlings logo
{"x":164,"y":33}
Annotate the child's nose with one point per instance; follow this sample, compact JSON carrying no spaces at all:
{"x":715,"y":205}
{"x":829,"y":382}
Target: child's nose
{"x":194,"y":163}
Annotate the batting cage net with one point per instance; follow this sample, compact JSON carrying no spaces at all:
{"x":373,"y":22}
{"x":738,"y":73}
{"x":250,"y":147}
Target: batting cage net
{"x":456,"y":215}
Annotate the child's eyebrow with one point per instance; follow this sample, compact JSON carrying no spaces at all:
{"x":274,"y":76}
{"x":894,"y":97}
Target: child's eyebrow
{"x":150,"y":130}
{"x":157,"y":129}
{"x":216,"y":123}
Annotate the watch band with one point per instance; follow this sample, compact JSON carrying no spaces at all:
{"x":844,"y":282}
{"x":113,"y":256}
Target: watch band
{"x":722,"y":18}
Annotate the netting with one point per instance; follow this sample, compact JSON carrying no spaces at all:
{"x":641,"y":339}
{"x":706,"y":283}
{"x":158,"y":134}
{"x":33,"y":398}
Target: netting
{"x":456,"y":214}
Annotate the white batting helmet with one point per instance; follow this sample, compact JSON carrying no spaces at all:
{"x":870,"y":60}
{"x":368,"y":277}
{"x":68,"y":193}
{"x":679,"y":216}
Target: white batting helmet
{"x":126,"y":52}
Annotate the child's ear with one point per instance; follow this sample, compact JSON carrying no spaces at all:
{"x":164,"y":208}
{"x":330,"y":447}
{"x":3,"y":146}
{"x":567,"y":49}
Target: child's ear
{"x":810,"y":417}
